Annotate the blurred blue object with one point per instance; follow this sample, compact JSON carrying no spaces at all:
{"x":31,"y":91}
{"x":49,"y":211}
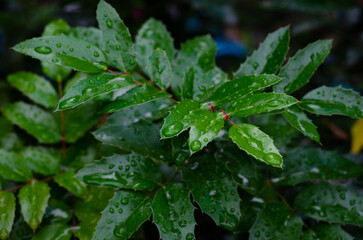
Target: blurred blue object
{"x":231,"y":49}
{"x":193,"y":24}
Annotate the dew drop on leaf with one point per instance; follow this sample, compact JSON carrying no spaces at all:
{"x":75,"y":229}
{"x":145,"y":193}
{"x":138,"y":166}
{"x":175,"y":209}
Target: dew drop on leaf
{"x":173,"y":129}
{"x":124,"y":201}
{"x":111,"y":210}
{"x":59,"y":45}
{"x":109,"y":23}
{"x":43,"y":50}
{"x":190,"y":236}
{"x":96,"y":54}
{"x":274,"y":103}
{"x":195,"y":145}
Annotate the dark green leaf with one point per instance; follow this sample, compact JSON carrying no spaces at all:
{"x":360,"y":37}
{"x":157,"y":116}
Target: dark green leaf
{"x":213,"y":189}
{"x":13,"y":168}
{"x":269,"y":56}
{"x":306,"y":164}
{"x":159,"y":68}
{"x":10,"y":141}
{"x":180,"y":148}
{"x":130,"y":171}
{"x":42,"y":160}
{"x":297,"y":118}
{"x":124,"y":214}
{"x":71,"y":183}
{"x":89,"y":88}
{"x":56,"y":27}
{"x":326,"y":232}
{"x":331,"y":203}
{"x":35,"y":87}
{"x":276,"y":221}
{"x":116,"y":38}
{"x":135,"y":96}
{"x":299,"y":69}
{"x":152,"y":35}
{"x":256,"y":143}
{"x":33,"y":199}
{"x":259,"y":103}
{"x":173,"y":213}
{"x":333,"y":100}
{"x":7,"y":213}
{"x":34,"y":120}
{"x":241,"y":87}
{"x":56,"y":231}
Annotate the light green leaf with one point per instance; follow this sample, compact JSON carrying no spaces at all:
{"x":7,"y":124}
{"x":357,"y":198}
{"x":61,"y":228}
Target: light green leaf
{"x":241,"y":87}
{"x":159,"y":68}
{"x":306,"y":164}
{"x":256,"y":143}
{"x":13,"y":168}
{"x":33,"y":199}
{"x":130,"y":171}
{"x":116,"y":38}
{"x":135,"y":96}
{"x":298,"y":119}
{"x":91,"y":87}
{"x":42,"y":160}
{"x":56,"y":27}
{"x":54,"y":231}
{"x":124,"y":214}
{"x":299,"y":69}
{"x":269,"y":56}
{"x":152,"y":35}
{"x":173,"y":213}
{"x":276,"y":221}
{"x":331,"y":203}
{"x":90,"y":34}
{"x":218,"y":195}
{"x":326,"y":232}
{"x":333,"y":100}
{"x":66,"y":51}
{"x":34,"y":120}
{"x":35,"y":87}
{"x":71,"y":183}
{"x":259,"y":103}
{"x":7,"y":213}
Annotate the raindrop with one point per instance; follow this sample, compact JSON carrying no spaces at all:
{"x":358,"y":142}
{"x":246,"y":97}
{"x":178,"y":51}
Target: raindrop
{"x":111,"y":210}
{"x":274,"y":103}
{"x":257,"y":233}
{"x":190,"y":236}
{"x":352,"y":202}
{"x":88,"y":46}
{"x":30,"y":88}
{"x":195,"y":145}
{"x":71,"y":49}
{"x":59,"y":45}
{"x":43,"y":50}
{"x":133,"y":163}
{"x":118,"y":48}
{"x":124,"y":201}
{"x":120,"y":210}
{"x":109,"y":23}
{"x":205,"y":139}
{"x":342,"y":196}
{"x":111,"y":166}
{"x":182,"y":223}
{"x":96,"y":54}
{"x":173,"y":129}
{"x":68,"y":102}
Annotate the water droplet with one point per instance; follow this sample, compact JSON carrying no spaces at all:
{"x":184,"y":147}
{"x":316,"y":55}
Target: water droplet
{"x":182,"y":223}
{"x":195,"y":145}
{"x":232,"y":210}
{"x":173,"y":129}
{"x":190,"y":236}
{"x":124,"y":201}
{"x":30,"y":88}
{"x":274,"y":103}
{"x":342,"y":196}
{"x":59,"y":45}
{"x":257,"y":233}
{"x":116,"y":204}
{"x":133,"y":163}
{"x":55,"y":60}
{"x":88,"y":46}
{"x":111,"y":210}
{"x":120,"y":167}
{"x":352,"y":202}
{"x":68,"y":102}
{"x":111,"y":166}
{"x":118,"y":48}
{"x":43,"y":50}
{"x":96,"y":54}
{"x":120,"y":210}
{"x":109,"y":23}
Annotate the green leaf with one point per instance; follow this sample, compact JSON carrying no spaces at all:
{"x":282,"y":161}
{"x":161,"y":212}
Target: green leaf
{"x":299,"y":69}
{"x":124,"y":214}
{"x":76,"y":78}
{"x":56,"y":27}
{"x":91,"y":87}
{"x":159,"y":68}
{"x":7,"y":213}
{"x":213,"y":189}
{"x":326,"y":232}
{"x":66,"y":51}
{"x":10,"y":141}
{"x":333,"y":100}
{"x":241,"y":87}
{"x":34,"y":120}
{"x":13,"y":168}
{"x":42,"y":160}
{"x":116,"y":38}
{"x":135,"y":96}
{"x":306,"y":164}
{"x":90,"y":34}
{"x":269,"y":56}
{"x":197,"y":51}
{"x":56,"y":231}
{"x":180,"y":148}
{"x":71,"y":183}
{"x":35,"y":87}
{"x":331,"y":203}
{"x":298,"y":119}
{"x":141,"y":137}
{"x":130,"y":171}
{"x":152,"y":35}
{"x":256,"y":143}
{"x":173,"y":213}
{"x":276,"y":221}
{"x":33,"y":199}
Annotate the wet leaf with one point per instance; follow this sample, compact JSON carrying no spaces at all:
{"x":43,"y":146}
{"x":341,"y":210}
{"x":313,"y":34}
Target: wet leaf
{"x":71,"y":183}
{"x":56,"y":27}
{"x":159,"y":68}
{"x":34,"y":120}
{"x":130,"y":171}
{"x":218,"y":197}
{"x":7,"y":213}
{"x":326,"y":232}
{"x":173,"y":213}
{"x":276,"y":221}
{"x":33,"y":199}
{"x":269,"y":56}
{"x":90,"y":34}
{"x":331,"y":203}
{"x":299,"y":69}
{"x":56,"y":231}
{"x":125,"y":213}
{"x":256,"y":143}
{"x":259,"y":103}
{"x":12,"y":167}
{"x":42,"y":160}
{"x":333,"y":100}
{"x":66,"y":51}
{"x":116,"y":38}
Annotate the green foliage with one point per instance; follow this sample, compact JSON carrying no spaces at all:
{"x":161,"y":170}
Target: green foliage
{"x":121,"y":148}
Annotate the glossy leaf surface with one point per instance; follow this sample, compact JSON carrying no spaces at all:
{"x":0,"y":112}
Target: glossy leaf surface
{"x":7,"y":213}
{"x":326,"y":232}
{"x":254,"y":142}
{"x":42,"y":160}
{"x":71,"y":183}
{"x":159,"y":68}
{"x":90,"y":34}
{"x":12,"y":167}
